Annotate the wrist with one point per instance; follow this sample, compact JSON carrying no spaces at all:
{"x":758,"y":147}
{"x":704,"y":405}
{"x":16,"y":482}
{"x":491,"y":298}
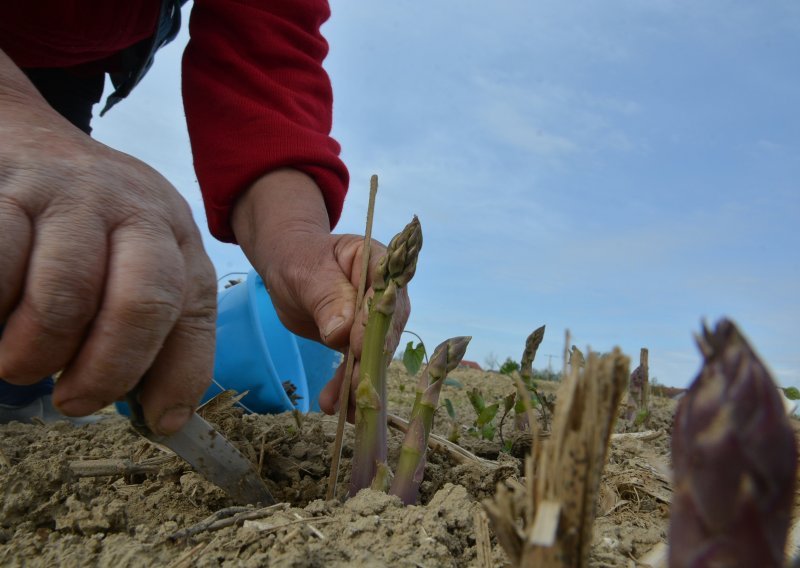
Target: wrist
{"x":17,"y":93}
{"x":281,"y":203}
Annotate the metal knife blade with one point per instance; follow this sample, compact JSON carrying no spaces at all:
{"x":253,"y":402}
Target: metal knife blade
{"x":210,"y":454}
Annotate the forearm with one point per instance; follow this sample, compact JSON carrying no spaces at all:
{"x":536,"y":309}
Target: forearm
{"x":259,"y":100}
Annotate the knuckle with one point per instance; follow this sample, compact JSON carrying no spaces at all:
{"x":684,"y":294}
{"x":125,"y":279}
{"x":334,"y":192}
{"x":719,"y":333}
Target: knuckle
{"x":63,"y":310}
{"x":200,"y":310}
{"x":150,"y":310}
{"x":201,"y":317}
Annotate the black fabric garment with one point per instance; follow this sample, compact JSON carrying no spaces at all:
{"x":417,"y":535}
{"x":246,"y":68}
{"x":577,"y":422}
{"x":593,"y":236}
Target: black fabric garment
{"x":72,"y":96}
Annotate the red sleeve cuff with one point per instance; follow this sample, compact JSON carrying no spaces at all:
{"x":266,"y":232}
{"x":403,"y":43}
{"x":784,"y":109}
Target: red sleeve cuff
{"x":257,"y":99}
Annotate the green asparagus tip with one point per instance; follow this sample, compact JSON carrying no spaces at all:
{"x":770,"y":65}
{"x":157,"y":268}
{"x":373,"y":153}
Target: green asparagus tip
{"x":400,"y":262}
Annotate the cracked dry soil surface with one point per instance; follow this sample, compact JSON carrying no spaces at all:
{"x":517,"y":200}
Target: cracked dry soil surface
{"x":51,"y":514}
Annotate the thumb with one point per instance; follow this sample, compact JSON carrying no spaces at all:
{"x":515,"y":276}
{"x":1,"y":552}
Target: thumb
{"x":331,"y":298}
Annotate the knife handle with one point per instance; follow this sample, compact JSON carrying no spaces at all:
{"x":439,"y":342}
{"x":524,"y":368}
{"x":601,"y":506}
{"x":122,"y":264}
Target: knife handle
{"x":137,"y":412}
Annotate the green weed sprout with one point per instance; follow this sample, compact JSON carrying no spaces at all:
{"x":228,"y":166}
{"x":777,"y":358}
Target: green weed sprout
{"x":455,"y":430}
{"x":483,"y":427}
{"x":411,"y":464}
{"x":509,"y":402}
{"x":413,"y":357}
{"x":395,"y":270}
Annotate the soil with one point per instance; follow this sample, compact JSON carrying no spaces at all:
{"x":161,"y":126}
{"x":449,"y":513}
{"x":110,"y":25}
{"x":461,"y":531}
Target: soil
{"x":51,"y":515}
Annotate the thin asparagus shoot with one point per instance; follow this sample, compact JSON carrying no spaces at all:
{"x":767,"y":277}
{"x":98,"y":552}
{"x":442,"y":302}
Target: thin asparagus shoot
{"x":526,"y":373}
{"x":395,"y":269}
{"x":411,"y":464}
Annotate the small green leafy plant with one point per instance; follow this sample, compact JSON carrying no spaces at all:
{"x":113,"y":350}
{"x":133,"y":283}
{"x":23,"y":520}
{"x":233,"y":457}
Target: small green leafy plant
{"x":455,"y":429}
{"x":509,"y":366}
{"x":413,"y":356}
{"x":484,"y":426}
{"x":509,"y":403}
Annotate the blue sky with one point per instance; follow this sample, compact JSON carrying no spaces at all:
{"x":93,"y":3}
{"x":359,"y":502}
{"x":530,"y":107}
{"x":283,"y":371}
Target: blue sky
{"x":623,"y":169}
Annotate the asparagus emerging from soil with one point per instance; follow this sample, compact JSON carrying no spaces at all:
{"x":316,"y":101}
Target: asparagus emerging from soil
{"x":526,"y":373}
{"x":411,"y":465}
{"x":395,"y":269}
{"x":734,"y":457}
{"x":529,"y":354}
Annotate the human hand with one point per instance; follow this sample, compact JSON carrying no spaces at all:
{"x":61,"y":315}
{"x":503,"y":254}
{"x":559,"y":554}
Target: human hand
{"x":312,"y":276}
{"x":102,"y":271}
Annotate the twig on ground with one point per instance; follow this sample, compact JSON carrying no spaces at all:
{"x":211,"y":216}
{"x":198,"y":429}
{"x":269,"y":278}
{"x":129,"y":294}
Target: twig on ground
{"x":261,"y":453}
{"x":266,"y":529}
{"x":317,"y":533}
{"x":189,"y":558}
{"x":225,"y":518}
{"x":644,"y":436}
{"x":112,"y":467}
{"x":482,"y":540}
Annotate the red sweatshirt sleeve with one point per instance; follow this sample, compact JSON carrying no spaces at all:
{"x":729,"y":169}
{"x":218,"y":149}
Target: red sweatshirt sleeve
{"x":257,"y":99}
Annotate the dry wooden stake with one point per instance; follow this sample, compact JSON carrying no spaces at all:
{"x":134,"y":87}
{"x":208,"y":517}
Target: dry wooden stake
{"x":548,"y":521}
{"x":482,"y":540}
{"x":643,"y":365}
{"x":344,"y":393}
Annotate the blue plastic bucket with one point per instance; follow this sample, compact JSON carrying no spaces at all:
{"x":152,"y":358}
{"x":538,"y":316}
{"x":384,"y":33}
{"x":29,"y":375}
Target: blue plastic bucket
{"x":320,"y":364}
{"x":256,"y":353}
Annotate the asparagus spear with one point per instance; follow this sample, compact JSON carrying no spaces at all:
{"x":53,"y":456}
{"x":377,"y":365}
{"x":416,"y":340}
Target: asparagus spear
{"x":395,"y":269}
{"x":734,"y":457}
{"x":526,"y":374}
{"x":529,"y":354}
{"x":411,"y":465}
